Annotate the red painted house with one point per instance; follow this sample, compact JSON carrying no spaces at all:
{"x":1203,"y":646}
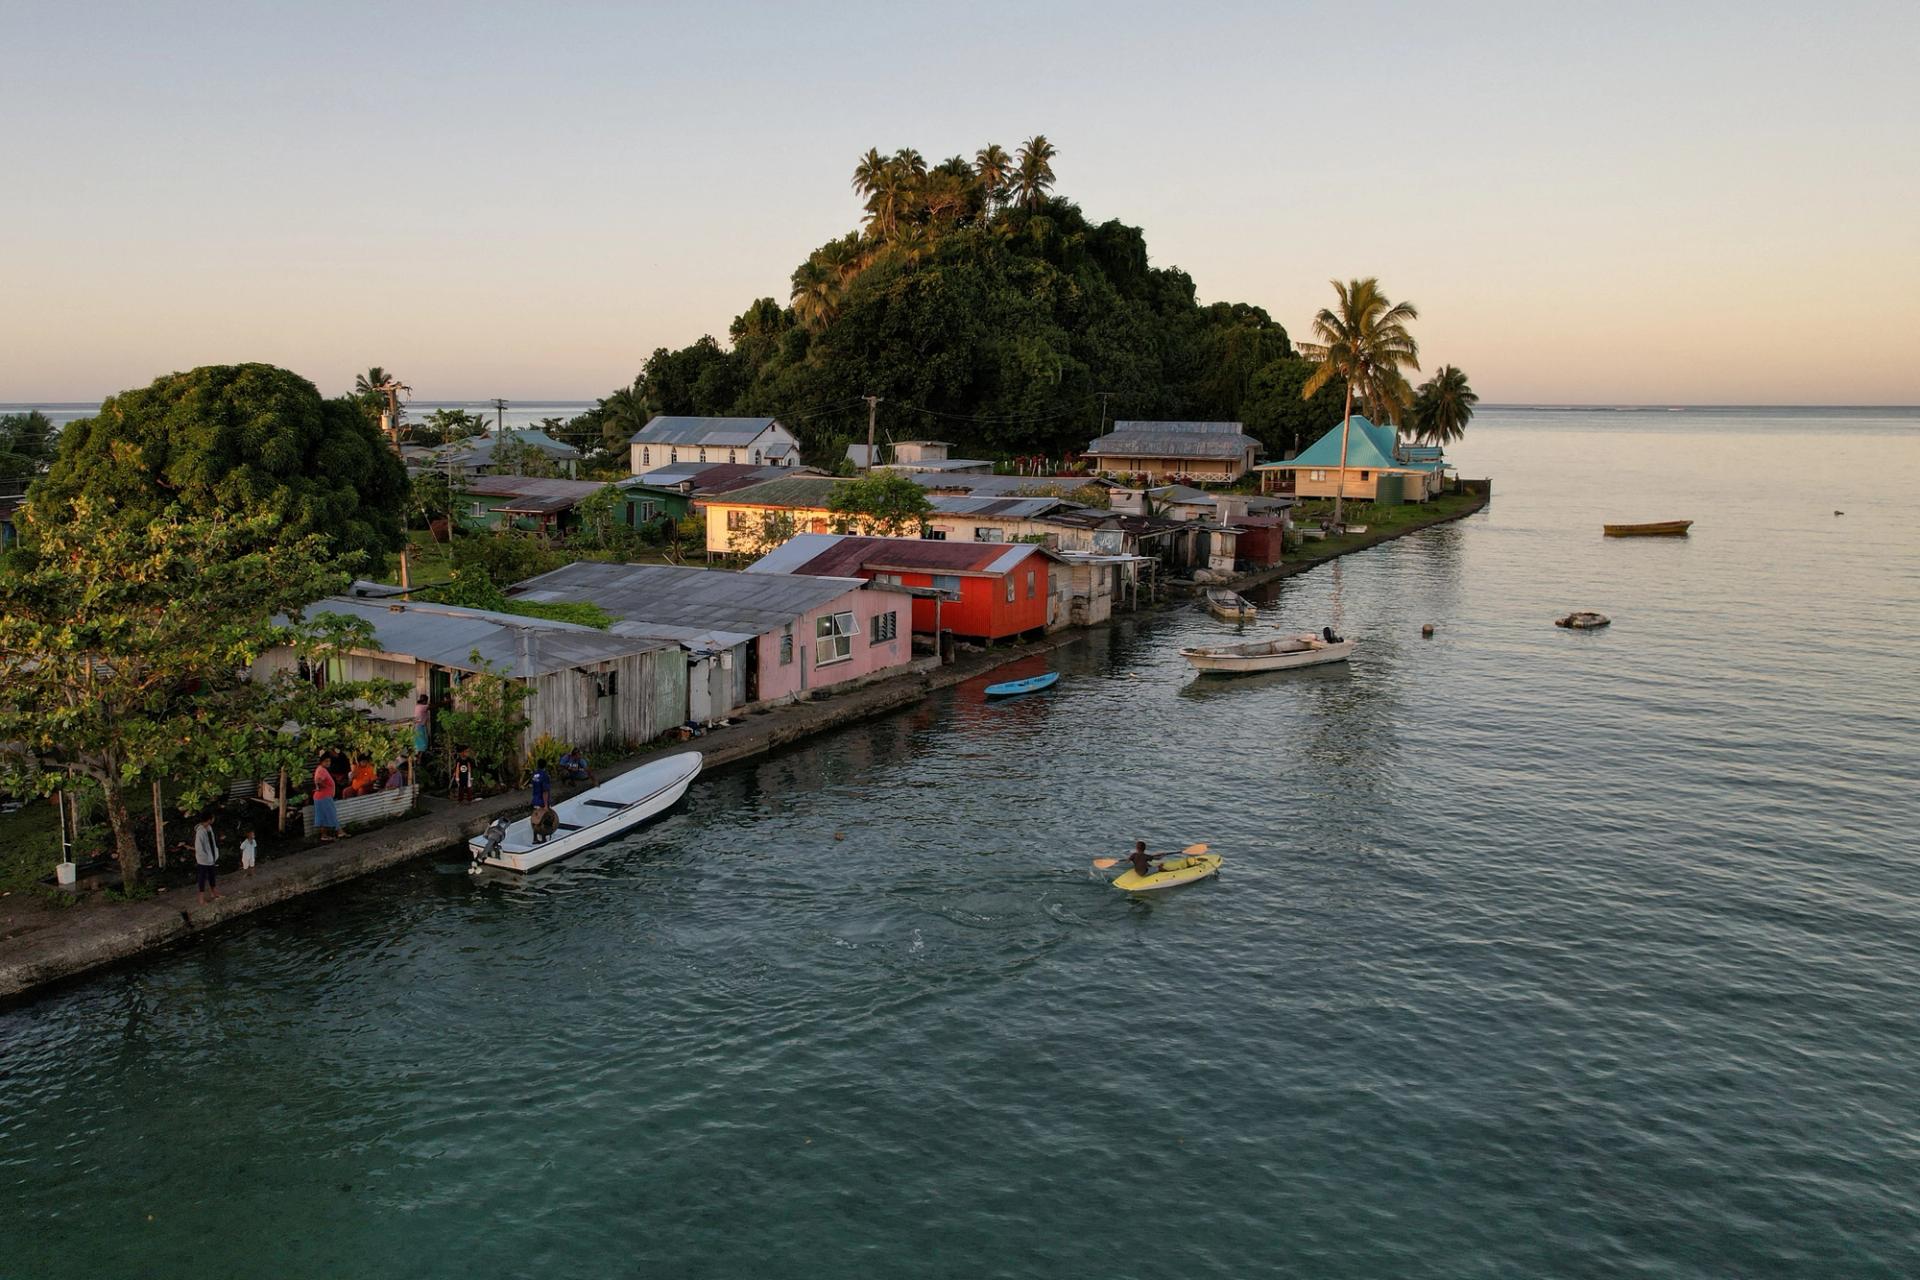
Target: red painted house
{"x":988,"y":590}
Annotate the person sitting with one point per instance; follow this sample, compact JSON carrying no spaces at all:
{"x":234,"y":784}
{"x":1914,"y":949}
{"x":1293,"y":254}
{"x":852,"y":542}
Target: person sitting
{"x":1144,"y":863}
{"x":362,"y":779}
{"x":574,"y":768}
{"x":396,"y":776}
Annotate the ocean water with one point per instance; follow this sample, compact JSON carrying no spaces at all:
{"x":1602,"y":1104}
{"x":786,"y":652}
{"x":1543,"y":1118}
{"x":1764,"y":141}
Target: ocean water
{"x":1535,"y":953}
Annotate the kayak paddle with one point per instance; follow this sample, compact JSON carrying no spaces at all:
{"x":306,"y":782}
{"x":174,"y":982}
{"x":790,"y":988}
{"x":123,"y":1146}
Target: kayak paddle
{"x":1191,"y":851}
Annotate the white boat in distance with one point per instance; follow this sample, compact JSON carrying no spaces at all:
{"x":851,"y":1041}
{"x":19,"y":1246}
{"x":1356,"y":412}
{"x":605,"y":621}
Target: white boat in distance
{"x":600,"y":813}
{"x":1282,"y":654}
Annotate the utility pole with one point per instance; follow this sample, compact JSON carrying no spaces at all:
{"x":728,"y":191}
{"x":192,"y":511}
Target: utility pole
{"x":1103,"y":411}
{"x":873,"y":404}
{"x":499,"y":416}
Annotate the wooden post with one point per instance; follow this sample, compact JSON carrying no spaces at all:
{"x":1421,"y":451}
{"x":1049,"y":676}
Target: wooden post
{"x":159,"y":826}
{"x":280,"y":796}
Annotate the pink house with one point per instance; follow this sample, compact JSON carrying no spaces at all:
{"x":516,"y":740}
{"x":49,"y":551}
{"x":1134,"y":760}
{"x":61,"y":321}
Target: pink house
{"x":749,"y":638}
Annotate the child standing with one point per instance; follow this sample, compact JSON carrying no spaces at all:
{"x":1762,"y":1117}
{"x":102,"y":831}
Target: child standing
{"x":463,"y":777}
{"x":249,"y":852}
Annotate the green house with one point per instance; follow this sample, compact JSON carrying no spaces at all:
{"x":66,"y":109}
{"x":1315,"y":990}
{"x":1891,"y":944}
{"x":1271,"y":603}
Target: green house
{"x":643,"y":504}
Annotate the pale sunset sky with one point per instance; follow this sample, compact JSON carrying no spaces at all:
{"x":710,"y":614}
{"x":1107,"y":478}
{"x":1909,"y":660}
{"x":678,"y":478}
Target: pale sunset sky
{"x":1629,"y":203}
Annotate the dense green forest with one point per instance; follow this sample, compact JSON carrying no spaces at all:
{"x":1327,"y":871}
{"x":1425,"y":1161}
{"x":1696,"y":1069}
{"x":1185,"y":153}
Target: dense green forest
{"x":988,"y":311}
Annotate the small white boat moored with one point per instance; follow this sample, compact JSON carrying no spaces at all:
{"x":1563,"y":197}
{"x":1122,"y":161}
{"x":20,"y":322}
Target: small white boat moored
{"x":600,"y":813}
{"x":1267,"y":655}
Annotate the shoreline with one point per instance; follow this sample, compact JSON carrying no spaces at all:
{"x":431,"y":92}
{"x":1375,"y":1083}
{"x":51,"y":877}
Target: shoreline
{"x":42,"y":948}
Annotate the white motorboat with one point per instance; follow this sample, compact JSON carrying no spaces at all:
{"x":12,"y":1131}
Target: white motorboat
{"x":1282,"y":654}
{"x":600,"y":813}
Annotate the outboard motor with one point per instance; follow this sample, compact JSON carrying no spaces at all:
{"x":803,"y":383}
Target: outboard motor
{"x":489,"y":845}
{"x":1326,"y":633}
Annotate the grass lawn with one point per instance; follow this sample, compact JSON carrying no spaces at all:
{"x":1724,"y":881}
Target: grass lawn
{"x":430,"y":562}
{"x":1377,"y":518}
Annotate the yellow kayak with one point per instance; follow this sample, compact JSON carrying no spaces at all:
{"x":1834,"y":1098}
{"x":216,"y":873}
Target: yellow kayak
{"x":1173,"y":871}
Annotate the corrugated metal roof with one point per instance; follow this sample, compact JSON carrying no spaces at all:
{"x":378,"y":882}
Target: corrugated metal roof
{"x":788,"y":491}
{"x":649,"y":597}
{"x":1369,"y":447}
{"x":1195,"y":428}
{"x":720,"y":432}
{"x":478,"y":451}
{"x":1140,"y":442}
{"x":988,"y":505}
{"x":1006,"y":485}
{"x":713,"y":477}
{"x":842,"y":555}
{"x":448,"y":636}
{"x":535,"y":506}
{"x":531,"y":487}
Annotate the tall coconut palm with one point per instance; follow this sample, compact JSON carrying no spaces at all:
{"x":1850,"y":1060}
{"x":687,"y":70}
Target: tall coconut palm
{"x":1033,"y":177}
{"x":379,"y":393}
{"x":816,"y":294}
{"x":1365,"y":342}
{"x":866,"y":174}
{"x":993,"y":167}
{"x":911,"y":162}
{"x":1442,"y":407}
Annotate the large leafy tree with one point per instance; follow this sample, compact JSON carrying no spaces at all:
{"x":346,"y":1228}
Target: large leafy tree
{"x":1364,"y":342}
{"x":1442,"y":407}
{"x":26,"y":446}
{"x":881,"y":502}
{"x":125,"y":649}
{"x":230,"y":440}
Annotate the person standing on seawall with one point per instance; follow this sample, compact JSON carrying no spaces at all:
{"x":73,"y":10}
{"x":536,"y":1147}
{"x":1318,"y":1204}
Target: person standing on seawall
{"x":206,"y":857}
{"x":326,"y":817}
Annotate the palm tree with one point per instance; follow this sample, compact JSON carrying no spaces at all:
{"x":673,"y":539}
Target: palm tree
{"x":1366,"y":343}
{"x":379,"y":394}
{"x":892,"y":192}
{"x":911,"y":162}
{"x":1442,"y":406}
{"x":866,"y":174}
{"x":1034,"y":176}
{"x":816,"y":294}
{"x":993,"y":167}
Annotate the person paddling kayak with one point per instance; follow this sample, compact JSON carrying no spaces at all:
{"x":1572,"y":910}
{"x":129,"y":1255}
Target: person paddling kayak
{"x":1143,"y":862}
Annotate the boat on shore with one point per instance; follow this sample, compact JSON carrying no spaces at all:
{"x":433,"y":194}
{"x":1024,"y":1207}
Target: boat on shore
{"x":1282,"y":654}
{"x":1230,"y":606}
{"x":1014,"y":688}
{"x":1655,"y":529}
{"x":597,"y":814}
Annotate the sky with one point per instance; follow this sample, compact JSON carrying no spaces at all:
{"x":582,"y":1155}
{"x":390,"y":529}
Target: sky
{"x":1662,"y":203}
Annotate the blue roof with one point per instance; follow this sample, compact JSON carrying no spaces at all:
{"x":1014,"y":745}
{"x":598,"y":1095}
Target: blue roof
{"x":1369,"y":447}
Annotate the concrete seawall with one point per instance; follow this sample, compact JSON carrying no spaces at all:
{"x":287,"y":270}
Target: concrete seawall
{"x":40,"y":946}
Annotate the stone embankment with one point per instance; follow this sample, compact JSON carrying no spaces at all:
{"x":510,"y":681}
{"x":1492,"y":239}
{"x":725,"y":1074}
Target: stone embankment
{"x":39,"y":946}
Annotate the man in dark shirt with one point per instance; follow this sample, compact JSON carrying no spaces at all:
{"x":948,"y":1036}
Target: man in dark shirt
{"x":542,"y":798}
{"x":1143,"y":862}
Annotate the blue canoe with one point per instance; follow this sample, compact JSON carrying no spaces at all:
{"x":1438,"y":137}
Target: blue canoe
{"x":1029,"y":685}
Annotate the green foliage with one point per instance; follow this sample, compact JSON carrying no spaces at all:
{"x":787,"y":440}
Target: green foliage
{"x":772,"y":529}
{"x":881,"y":502}
{"x":546,"y":751}
{"x":444,"y":426}
{"x":1442,"y":407}
{"x":488,"y":717}
{"x":603,"y":526}
{"x":430,"y":496}
{"x":1280,"y":417}
{"x":977,"y":304}
{"x":125,"y":649}
{"x":27,"y":443}
{"x":233,"y":440}
{"x":470,"y":591}
{"x":1365,"y":342}
{"x":581,"y":613}
{"x":502,"y":558}
{"x":514,"y":456}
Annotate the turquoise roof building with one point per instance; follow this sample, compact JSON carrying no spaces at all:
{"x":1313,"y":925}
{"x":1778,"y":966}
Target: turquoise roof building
{"x":1374,"y":451}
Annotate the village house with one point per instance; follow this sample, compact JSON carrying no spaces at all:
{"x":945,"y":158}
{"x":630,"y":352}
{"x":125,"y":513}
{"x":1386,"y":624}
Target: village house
{"x":1013,"y":486}
{"x":736,"y":520}
{"x":983,"y":591}
{"x":524,"y":502}
{"x":755,"y":442}
{"x":1378,"y":469}
{"x":1209,"y":452}
{"x":642,"y":504}
{"x":917,"y":457}
{"x":589,"y":687}
{"x":978,"y":518}
{"x":749,"y":639}
{"x":474,"y":456}
{"x":698,"y":479}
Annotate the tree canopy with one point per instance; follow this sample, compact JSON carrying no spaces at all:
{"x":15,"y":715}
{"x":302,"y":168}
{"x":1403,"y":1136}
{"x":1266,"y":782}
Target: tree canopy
{"x":232,"y":440}
{"x":1442,"y":406}
{"x":27,"y":443}
{"x":125,"y":648}
{"x":881,"y":502}
{"x":983,"y":308}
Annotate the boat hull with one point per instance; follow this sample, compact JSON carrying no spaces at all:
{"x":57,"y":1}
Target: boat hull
{"x":1014,"y":688}
{"x":1247,"y":659}
{"x":1173,"y":873}
{"x":1230,"y":607}
{"x":1658,"y":529}
{"x":594,"y":816}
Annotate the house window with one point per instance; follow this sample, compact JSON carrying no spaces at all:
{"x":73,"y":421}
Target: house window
{"x":606,"y":684}
{"x":892,"y":579}
{"x":646,"y":456}
{"x":1363,"y":475}
{"x":786,"y":646}
{"x":1030,"y":584}
{"x":731,"y":457}
{"x":756,"y":457}
{"x":988,"y":533}
{"x":703,"y":453}
{"x":478,"y":510}
{"x":948,"y":585}
{"x":885,"y":627}
{"x":936,"y":534}
{"x":1316,"y":475}
{"x":736,"y":520}
{"x":832,"y":639}
{"x":1009,"y":588}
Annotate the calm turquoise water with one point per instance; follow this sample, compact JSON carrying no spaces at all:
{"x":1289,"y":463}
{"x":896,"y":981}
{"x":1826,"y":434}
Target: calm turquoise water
{"x":1536,"y":954}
